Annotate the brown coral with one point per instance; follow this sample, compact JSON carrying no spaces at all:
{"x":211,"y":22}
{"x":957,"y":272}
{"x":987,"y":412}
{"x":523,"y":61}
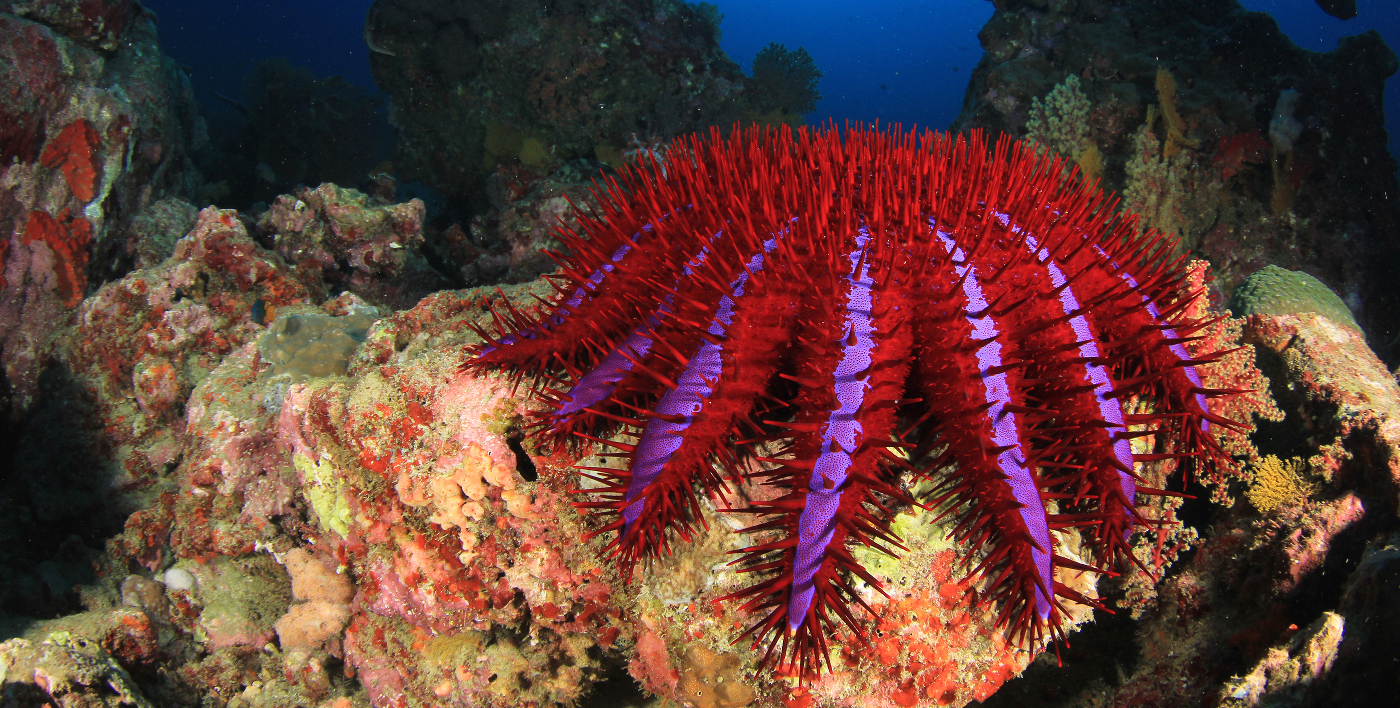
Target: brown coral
{"x":710,"y":679}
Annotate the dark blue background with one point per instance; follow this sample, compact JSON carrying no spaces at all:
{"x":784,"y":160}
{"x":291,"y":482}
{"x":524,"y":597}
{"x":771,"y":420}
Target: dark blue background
{"x":921,"y":51}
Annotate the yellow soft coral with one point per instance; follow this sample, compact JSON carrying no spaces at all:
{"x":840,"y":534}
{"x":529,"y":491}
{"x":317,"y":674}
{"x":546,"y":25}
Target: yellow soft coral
{"x":1060,"y":122}
{"x":325,"y":492}
{"x":1176,"y":127}
{"x":1278,"y":483}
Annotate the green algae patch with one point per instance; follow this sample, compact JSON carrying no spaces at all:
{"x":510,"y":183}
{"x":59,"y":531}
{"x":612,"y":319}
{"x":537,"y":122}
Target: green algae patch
{"x":453,"y":650}
{"x":915,"y":529}
{"x":242,"y":599}
{"x":505,"y":421}
{"x":325,"y":492}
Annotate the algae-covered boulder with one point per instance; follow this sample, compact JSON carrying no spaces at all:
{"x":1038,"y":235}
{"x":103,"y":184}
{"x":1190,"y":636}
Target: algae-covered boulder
{"x":1278,"y":291}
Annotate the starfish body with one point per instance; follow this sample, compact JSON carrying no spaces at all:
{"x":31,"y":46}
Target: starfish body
{"x":876,"y":305}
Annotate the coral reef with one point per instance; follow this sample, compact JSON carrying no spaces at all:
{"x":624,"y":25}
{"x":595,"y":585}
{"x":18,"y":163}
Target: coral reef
{"x":102,"y":445}
{"x":1260,"y":607}
{"x":1251,"y":406}
{"x":70,"y":670}
{"x":380,"y":532}
{"x":221,"y":485}
{"x":1352,"y":397}
{"x":526,"y":211}
{"x":475,"y":85}
{"x":1278,"y":483}
{"x":151,"y":236}
{"x":831,"y":489}
{"x":1235,"y":370}
{"x":1287,"y":165}
{"x":783,"y":86}
{"x":340,"y":238}
{"x":1237,"y":152}
{"x":1060,"y":122}
{"x":1170,"y":189}
{"x":1172,"y":122}
{"x":95,"y":124}
{"x":407,"y":479}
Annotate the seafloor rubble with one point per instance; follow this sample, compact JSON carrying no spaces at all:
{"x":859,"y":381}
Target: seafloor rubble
{"x":242,"y":467}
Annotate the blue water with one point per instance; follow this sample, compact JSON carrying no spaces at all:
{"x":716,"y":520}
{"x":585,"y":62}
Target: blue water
{"x":889,"y":60}
{"x":905,"y":61}
{"x":221,"y":41}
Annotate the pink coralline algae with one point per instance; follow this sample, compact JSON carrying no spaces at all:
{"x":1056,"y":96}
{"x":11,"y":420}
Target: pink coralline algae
{"x":140,"y":344}
{"x":456,"y":546}
{"x":403,"y":483}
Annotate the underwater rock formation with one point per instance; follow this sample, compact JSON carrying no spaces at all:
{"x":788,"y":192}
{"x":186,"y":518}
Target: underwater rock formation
{"x":380,"y":532}
{"x":406,"y":483}
{"x":474,"y":85}
{"x":1278,"y":605}
{"x":95,"y":125}
{"x":340,"y":239}
{"x":1214,"y":125}
{"x":103,"y":442}
{"x":525,"y":213}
